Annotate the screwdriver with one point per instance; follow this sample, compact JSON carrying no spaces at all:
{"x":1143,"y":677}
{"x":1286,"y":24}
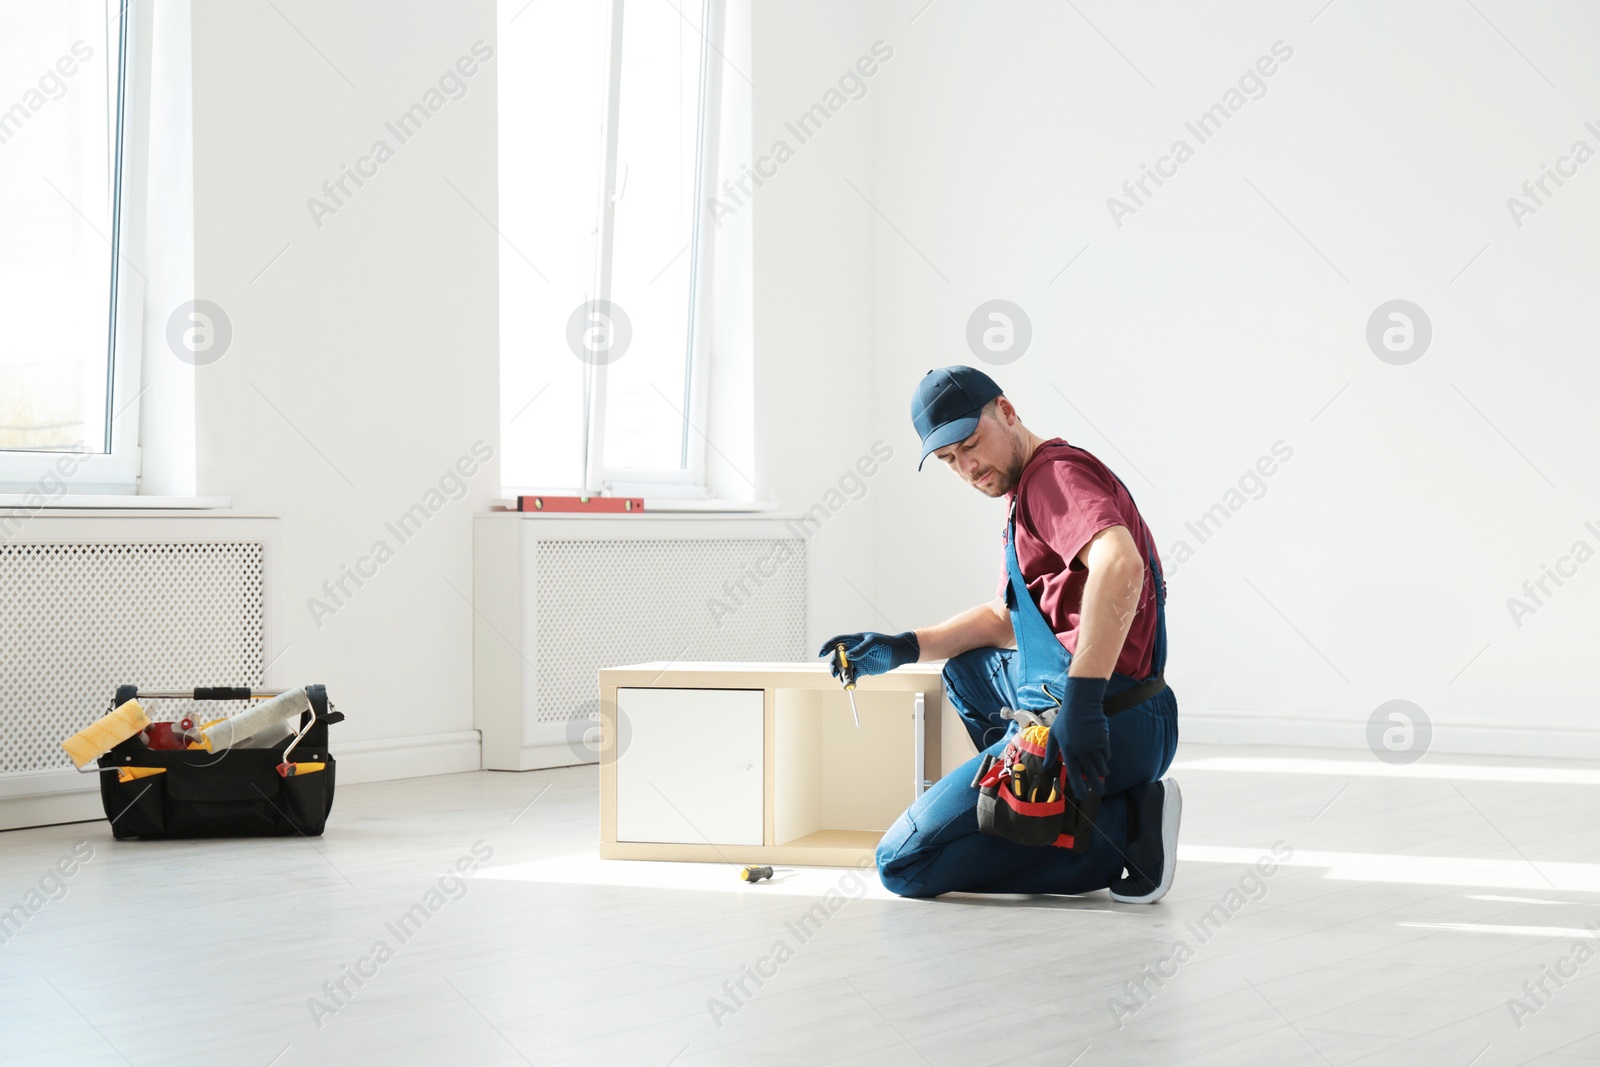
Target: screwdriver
{"x":847,"y":675}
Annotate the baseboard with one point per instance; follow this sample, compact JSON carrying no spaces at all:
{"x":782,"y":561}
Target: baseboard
{"x":533,"y":757}
{"x":44,"y":798}
{"x":408,"y":757}
{"x":51,"y":797}
{"x":1457,"y":739}
{"x":49,"y":809}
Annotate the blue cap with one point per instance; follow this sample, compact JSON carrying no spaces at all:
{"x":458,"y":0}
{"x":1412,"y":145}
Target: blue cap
{"x":946,"y":405}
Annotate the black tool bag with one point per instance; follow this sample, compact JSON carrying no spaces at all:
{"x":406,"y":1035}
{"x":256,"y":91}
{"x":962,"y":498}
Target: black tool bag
{"x":238,"y":792}
{"x":1023,"y":798}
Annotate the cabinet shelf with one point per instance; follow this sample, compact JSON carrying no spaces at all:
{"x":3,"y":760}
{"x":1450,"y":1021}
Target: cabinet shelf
{"x":763,"y":763}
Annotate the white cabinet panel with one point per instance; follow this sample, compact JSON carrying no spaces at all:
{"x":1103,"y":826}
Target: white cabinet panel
{"x":689,"y":767}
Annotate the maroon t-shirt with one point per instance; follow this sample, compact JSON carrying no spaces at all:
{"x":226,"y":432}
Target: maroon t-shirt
{"x":1066,"y":496}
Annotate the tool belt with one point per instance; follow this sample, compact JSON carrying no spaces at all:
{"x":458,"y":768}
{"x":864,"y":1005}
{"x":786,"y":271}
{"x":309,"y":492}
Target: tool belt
{"x":283,"y":789}
{"x":1024,"y":799}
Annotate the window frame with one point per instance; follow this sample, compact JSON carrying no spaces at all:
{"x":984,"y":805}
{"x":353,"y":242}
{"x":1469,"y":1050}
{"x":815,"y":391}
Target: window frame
{"x":116,"y":470}
{"x":688,"y":480}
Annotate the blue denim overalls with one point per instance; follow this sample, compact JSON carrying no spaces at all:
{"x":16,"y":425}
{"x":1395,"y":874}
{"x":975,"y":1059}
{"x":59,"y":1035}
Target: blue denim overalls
{"x":935,"y":847}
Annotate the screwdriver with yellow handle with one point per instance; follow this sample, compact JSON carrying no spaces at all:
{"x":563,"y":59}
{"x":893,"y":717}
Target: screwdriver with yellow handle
{"x":847,"y":676}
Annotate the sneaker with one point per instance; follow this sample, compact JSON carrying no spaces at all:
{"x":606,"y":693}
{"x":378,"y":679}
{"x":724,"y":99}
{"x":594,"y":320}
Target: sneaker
{"x":1153,"y":855}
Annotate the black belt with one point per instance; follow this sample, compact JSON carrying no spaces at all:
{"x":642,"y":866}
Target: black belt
{"x":1136,"y":694}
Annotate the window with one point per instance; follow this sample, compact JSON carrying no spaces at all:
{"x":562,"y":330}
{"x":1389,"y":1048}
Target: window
{"x":605,"y":257}
{"x":65,"y":376}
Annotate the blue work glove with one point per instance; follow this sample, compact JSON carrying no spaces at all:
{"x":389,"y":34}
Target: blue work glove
{"x":872,"y":653}
{"x":1082,"y":735}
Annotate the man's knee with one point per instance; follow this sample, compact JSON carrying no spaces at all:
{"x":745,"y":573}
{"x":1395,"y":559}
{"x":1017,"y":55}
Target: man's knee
{"x":977,"y":688}
{"x":902,"y":855}
{"x":894,"y":871}
{"x":974,"y":663}
{"x":971,"y":680}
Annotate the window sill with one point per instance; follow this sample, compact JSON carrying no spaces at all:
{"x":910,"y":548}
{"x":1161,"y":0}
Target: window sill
{"x":699,"y":506}
{"x":116,"y":502}
{"x":654,"y":506}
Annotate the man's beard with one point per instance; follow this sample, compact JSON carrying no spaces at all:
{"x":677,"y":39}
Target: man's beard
{"x":1001,"y":480}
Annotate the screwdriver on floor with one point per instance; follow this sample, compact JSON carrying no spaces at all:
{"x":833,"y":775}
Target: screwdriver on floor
{"x":847,"y":675}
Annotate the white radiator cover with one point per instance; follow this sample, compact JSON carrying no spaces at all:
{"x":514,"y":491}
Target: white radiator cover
{"x":557,"y":599}
{"x":90,"y":603}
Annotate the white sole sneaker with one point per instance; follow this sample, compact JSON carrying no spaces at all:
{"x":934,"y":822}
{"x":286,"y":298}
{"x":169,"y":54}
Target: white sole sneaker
{"x":1171,"y":815}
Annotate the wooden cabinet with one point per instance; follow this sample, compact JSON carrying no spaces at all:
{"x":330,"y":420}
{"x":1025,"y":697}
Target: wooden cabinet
{"x":762,"y":762}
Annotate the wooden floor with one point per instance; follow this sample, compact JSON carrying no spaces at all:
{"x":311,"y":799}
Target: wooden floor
{"x":1409,"y":908}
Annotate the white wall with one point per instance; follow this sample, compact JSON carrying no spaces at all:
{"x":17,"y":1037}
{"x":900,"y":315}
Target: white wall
{"x":364,"y":356}
{"x":1379,"y":560}
{"x":813,"y":278}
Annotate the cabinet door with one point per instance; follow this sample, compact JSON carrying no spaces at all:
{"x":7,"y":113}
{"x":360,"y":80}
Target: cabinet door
{"x":690,"y":766}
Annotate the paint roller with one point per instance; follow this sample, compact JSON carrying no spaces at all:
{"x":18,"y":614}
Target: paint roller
{"x":235,"y":731}
{"x":106,"y":733}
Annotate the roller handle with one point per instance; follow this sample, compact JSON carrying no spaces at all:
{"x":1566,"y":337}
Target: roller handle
{"x":126,"y":693}
{"x":222,"y":692}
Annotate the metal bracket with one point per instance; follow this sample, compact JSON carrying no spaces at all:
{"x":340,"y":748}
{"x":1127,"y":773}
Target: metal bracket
{"x":919,"y":772}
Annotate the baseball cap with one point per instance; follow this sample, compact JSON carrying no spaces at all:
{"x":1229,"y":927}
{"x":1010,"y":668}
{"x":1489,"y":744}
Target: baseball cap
{"x":946,"y":405}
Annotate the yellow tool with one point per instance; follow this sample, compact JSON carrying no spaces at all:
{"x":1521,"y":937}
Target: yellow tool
{"x":755,"y":874}
{"x":204,"y":726}
{"x":128,"y":774}
{"x":289,"y":770}
{"x":104,"y":734}
{"x":847,"y":675}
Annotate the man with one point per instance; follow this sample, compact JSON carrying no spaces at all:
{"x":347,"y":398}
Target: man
{"x":1083,"y":602}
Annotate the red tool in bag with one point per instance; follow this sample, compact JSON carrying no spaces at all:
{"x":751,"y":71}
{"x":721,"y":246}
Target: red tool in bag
{"x":1024,"y":799}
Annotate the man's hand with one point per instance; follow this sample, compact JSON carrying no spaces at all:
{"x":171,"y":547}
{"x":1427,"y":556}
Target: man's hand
{"x":873,"y":653}
{"x":1082,"y":734}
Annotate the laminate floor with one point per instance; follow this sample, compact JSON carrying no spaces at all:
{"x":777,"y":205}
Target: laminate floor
{"x":1328,"y":910}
